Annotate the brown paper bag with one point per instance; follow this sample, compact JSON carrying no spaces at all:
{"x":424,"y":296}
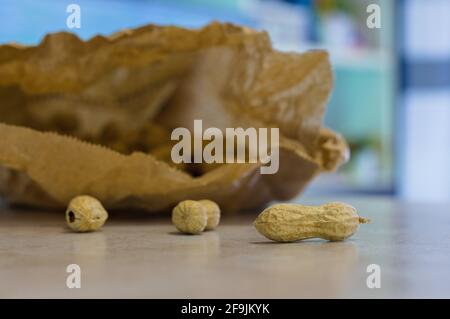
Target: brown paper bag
{"x":59,"y":100}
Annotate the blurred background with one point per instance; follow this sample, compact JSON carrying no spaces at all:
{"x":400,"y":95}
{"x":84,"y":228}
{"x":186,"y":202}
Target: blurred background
{"x":392,"y":94}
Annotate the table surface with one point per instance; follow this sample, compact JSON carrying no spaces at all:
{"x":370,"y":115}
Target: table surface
{"x":142,"y":256}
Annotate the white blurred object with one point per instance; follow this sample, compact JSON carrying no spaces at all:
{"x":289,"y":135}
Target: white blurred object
{"x":425,"y":159}
{"x":339,"y":30}
{"x":367,"y":168}
{"x":427,"y":26}
{"x":287,"y":24}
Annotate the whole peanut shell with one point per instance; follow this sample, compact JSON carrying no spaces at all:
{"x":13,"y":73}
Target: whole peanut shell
{"x":212,"y":212}
{"x":190,"y":217}
{"x":291,"y":222}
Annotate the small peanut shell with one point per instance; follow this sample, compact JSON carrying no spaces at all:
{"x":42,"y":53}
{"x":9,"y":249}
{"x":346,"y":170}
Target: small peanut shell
{"x":292,"y":222}
{"x":189,"y":217}
{"x":212,"y":212}
{"x":85,"y":213}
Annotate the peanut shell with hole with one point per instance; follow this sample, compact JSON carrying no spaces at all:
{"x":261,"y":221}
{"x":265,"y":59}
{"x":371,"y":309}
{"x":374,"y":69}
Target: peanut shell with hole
{"x":85,"y":213}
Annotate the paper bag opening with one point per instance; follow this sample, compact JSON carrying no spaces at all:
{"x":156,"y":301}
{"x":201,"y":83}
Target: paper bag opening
{"x":95,"y":117}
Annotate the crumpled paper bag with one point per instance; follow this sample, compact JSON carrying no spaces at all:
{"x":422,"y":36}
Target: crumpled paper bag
{"x":57,"y":97}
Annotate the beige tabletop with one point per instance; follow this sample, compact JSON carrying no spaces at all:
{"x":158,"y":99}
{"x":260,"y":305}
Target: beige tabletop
{"x":142,"y":256}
